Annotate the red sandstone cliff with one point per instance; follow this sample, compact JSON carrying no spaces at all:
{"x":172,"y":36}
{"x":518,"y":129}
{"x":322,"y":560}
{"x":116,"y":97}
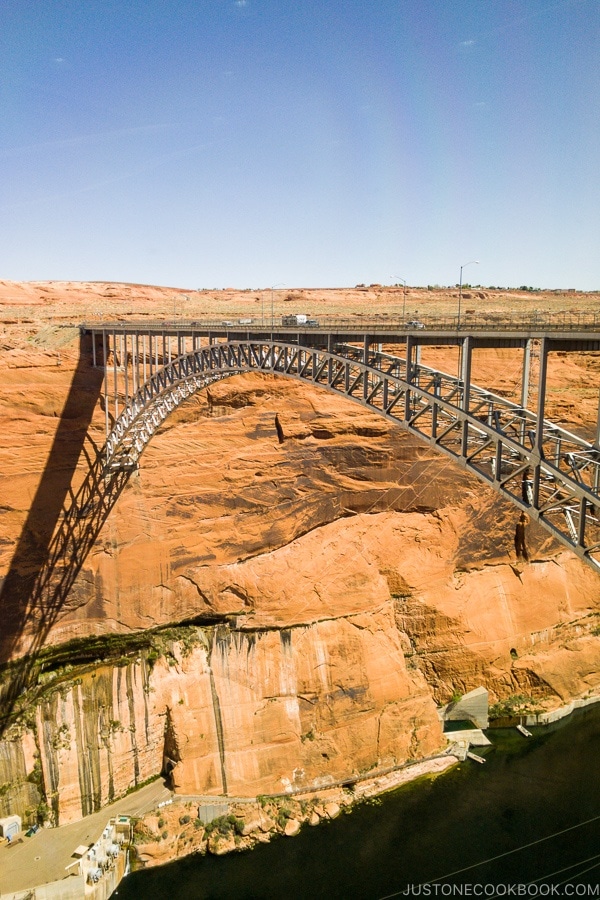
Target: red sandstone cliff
{"x":337,"y":586}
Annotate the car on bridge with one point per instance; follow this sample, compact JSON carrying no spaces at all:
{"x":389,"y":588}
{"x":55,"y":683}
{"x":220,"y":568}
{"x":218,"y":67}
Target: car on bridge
{"x":415,"y":324}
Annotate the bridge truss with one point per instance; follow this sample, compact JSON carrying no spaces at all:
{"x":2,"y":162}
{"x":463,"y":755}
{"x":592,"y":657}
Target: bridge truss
{"x":544,"y":470}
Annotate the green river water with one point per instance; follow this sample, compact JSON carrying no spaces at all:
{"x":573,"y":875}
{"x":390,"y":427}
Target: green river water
{"x":527,"y":823}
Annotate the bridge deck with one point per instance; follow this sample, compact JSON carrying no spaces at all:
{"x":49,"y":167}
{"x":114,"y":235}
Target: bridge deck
{"x":484,"y":335}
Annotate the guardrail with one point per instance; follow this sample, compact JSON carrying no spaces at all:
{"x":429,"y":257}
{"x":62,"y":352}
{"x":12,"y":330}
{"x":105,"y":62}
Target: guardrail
{"x":554,"y":322}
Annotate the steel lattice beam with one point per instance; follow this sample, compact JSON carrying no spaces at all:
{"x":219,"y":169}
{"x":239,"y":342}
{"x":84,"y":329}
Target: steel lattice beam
{"x":541,"y":468}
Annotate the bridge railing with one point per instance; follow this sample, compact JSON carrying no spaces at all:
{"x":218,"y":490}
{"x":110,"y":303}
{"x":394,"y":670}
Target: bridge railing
{"x":479,"y":321}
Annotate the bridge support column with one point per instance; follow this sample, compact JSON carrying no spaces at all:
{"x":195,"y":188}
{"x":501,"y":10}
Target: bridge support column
{"x":539,"y":431}
{"x":135,"y":362}
{"x":465,"y":374}
{"x":366,"y":350}
{"x":526,"y":374}
{"x":525,"y":385}
{"x":437,"y":390}
{"x":124,"y":363}
{"x":409,"y":374}
{"x":115,"y":376}
{"x":105,"y":384}
{"x":466,"y":359}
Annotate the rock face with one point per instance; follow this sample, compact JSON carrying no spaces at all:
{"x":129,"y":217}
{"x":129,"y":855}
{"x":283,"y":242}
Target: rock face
{"x":328,"y":582}
{"x":239,"y":713}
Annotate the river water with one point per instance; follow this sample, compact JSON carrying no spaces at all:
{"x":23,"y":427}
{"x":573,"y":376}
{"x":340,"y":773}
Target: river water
{"x":531,"y":811}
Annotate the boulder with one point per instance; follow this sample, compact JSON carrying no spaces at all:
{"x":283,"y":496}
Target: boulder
{"x":292,"y":827}
{"x":219,"y":844}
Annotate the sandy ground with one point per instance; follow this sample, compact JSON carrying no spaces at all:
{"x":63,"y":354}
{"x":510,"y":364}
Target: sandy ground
{"x":31,"y":304}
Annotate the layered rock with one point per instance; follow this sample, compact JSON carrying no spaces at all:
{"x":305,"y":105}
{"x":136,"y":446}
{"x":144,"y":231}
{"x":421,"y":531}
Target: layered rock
{"x":238,"y":713}
{"x":260,"y":704}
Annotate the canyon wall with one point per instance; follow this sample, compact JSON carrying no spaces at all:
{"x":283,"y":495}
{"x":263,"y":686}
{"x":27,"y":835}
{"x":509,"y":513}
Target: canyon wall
{"x":241,"y":713}
{"x":307,"y":603}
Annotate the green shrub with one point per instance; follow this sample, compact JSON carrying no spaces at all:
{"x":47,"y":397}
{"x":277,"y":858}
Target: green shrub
{"x":515,"y":705}
{"x":223,"y":825}
{"x":152,"y":655}
{"x":283,"y":815}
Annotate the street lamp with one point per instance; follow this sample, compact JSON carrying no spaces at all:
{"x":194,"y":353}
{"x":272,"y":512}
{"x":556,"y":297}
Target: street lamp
{"x":464,"y":265}
{"x":403,"y":280}
{"x":280,"y":284}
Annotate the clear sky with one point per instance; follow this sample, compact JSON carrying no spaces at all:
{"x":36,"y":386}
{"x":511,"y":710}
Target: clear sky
{"x":247,"y":143}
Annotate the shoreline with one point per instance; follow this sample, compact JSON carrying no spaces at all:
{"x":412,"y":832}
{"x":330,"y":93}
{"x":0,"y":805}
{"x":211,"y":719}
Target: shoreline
{"x":176,"y":829}
{"x":249,"y":821}
{"x":561,"y":712}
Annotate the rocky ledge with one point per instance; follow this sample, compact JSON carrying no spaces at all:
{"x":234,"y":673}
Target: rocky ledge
{"x":178,"y":830}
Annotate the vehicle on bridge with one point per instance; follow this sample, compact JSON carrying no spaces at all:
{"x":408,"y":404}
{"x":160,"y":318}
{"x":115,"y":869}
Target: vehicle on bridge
{"x":299,"y":319}
{"x":415,"y":324}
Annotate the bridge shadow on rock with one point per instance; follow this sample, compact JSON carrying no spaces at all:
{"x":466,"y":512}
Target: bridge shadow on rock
{"x":61,"y":527}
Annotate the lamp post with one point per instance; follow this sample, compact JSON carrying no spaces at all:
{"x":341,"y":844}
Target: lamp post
{"x":464,"y":265}
{"x":280,"y":284}
{"x":403,"y":280}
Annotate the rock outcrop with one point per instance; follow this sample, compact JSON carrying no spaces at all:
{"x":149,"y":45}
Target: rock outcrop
{"x":324,"y":594}
{"x":225,"y":711}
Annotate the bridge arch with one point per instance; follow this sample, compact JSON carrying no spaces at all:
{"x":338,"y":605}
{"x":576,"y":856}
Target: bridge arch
{"x":541,"y":468}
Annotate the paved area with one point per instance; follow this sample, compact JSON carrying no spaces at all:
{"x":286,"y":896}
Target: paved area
{"x":45,"y":856}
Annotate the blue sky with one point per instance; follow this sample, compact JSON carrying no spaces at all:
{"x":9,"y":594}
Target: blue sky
{"x":247,"y":143}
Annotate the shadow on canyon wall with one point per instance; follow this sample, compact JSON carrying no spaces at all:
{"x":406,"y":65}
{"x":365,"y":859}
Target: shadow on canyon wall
{"x":62,"y":524}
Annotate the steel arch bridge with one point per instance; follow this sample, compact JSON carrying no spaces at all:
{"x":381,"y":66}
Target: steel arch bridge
{"x":544,"y":470}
